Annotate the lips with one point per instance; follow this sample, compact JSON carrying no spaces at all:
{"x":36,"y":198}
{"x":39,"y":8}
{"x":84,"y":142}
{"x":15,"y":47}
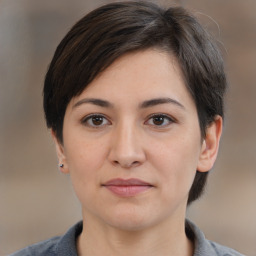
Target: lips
{"x":127,"y":188}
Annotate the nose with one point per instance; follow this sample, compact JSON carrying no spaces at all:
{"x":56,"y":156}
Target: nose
{"x":126,"y":147}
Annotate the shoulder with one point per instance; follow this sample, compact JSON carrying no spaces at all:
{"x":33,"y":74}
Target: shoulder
{"x":57,"y":246}
{"x":206,"y":247}
{"x":47,"y":247}
{"x":223,"y":250}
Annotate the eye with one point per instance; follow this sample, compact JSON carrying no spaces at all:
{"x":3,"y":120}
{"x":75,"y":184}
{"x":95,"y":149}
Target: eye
{"x":95,"y":121}
{"x":160,"y":120}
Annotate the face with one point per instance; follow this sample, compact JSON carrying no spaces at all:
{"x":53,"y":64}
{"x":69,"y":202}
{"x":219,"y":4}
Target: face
{"x":132,"y":143}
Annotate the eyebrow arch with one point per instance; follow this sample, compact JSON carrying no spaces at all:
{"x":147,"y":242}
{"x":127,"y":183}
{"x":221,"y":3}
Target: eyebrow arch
{"x":97,"y":102}
{"x":158,"y":101}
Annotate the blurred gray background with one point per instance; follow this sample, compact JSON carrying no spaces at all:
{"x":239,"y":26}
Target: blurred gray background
{"x":37,"y":202}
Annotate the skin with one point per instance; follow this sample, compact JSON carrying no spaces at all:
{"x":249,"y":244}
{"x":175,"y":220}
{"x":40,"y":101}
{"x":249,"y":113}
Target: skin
{"x":125,"y":141}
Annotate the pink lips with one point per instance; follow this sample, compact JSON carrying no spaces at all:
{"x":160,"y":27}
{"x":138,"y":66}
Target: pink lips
{"x":127,"y":188}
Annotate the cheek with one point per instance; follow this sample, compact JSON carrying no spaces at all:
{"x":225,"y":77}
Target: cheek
{"x":176,"y":161}
{"x":85,"y":158}
{"x":82,"y":152}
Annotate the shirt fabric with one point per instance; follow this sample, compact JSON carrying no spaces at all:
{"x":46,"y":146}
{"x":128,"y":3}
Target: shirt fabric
{"x":66,"y":245}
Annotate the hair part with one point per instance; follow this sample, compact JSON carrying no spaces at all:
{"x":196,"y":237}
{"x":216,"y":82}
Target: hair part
{"x":109,"y":32}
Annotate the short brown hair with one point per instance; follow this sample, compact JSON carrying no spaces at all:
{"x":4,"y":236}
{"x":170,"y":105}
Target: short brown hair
{"x":112,"y":30}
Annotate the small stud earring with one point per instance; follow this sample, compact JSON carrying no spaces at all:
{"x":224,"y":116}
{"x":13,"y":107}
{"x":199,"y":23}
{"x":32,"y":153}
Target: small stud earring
{"x":61,"y":165}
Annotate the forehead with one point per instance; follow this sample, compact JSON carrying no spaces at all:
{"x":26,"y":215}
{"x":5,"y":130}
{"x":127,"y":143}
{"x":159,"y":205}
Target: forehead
{"x":139,"y":76}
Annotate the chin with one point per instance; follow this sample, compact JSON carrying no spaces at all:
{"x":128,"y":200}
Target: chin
{"x":130,"y":220}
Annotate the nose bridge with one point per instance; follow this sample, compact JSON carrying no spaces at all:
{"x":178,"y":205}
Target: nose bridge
{"x":125,"y":138}
{"x":126,"y":148}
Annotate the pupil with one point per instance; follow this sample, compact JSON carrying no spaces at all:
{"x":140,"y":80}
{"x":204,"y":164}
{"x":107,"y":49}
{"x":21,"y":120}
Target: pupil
{"x":97,"y":120}
{"x":158,"y":120}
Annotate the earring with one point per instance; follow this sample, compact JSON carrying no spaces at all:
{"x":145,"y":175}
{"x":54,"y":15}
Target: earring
{"x":61,"y":165}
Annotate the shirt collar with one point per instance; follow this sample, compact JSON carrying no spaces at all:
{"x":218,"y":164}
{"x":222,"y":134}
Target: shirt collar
{"x":67,"y":244}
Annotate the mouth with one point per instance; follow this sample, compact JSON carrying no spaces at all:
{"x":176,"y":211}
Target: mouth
{"x":127,"y":187}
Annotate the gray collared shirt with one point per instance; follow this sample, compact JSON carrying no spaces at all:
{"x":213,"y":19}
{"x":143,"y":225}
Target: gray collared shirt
{"x":66,"y":244}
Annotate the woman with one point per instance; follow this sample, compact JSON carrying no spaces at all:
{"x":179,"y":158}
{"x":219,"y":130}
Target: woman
{"x":134,"y":100}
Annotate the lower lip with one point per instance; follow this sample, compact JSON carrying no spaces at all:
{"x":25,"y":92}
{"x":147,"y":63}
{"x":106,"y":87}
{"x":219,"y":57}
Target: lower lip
{"x":128,"y":191}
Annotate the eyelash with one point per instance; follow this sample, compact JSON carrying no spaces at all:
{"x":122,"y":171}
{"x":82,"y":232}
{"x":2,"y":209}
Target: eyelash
{"x":85,"y":121}
{"x":164,"y":118}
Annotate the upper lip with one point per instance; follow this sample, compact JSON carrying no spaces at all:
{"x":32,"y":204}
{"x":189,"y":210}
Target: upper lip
{"x":126,"y":182}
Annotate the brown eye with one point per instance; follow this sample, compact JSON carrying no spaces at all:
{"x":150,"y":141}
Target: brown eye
{"x":160,"y":120}
{"x":95,"y":121}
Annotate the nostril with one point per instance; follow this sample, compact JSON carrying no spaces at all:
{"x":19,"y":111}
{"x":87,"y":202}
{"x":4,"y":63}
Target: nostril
{"x":136,"y":163}
{"x":132,"y":164}
{"x":115,"y":162}
{"x":126,"y":164}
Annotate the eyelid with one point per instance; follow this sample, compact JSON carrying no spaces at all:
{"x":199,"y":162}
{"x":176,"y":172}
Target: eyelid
{"x":170,"y":119}
{"x":85,"y":119}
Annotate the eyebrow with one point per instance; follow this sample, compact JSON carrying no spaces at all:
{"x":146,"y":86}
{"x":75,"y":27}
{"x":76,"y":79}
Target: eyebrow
{"x":144,"y":104}
{"x":97,"y":102}
{"x":158,"y":101}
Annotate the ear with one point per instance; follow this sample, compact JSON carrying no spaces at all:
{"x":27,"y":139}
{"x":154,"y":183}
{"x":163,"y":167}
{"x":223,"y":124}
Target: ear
{"x":210,"y":145}
{"x":60,"y":153}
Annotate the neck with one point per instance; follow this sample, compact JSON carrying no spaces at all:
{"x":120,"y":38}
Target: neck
{"x":166,"y":239}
